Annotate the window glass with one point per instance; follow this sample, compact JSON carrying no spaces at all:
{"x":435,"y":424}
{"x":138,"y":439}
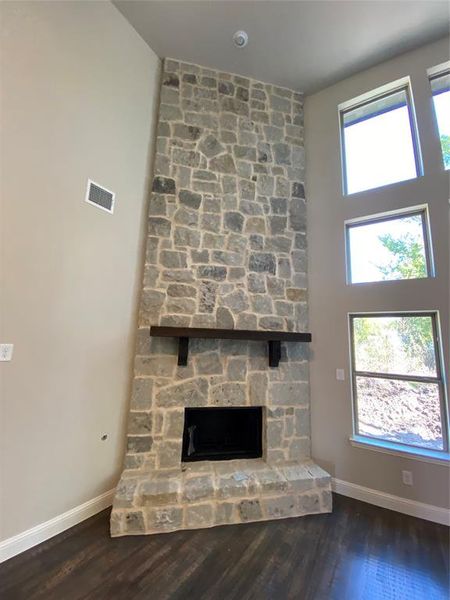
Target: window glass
{"x":398,"y":390}
{"x":379,"y":142}
{"x":440,"y":86}
{"x":395,"y":345}
{"x":404,"y":412}
{"x":387,"y":249}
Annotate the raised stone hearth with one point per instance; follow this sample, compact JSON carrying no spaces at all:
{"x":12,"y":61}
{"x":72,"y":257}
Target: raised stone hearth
{"x":218,"y":493}
{"x":226,"y":248}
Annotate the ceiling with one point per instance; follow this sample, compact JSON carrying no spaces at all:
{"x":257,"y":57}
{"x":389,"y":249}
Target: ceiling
{"x":303,"y":45}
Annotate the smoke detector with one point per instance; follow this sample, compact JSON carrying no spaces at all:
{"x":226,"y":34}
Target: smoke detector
{"x":240,"y":39}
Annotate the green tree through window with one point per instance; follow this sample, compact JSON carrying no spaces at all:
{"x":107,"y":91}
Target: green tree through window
{"x":408,"y":260}
{"x":445,"y":144}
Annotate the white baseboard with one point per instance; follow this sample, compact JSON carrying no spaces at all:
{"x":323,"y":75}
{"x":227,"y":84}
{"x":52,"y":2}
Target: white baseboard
{"x":402,"y":505}
{"x":31,"y":537}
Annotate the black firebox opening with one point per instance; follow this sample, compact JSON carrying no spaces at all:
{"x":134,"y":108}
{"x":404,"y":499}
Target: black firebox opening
{"x":222,"y":433}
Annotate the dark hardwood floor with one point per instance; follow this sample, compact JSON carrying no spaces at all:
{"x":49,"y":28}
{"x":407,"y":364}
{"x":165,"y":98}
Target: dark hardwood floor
{"x":357,"y":552}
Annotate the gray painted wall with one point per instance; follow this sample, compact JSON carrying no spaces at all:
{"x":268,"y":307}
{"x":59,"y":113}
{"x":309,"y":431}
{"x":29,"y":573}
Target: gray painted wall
{"x":331,"y":299}
{"x":79,"y":88}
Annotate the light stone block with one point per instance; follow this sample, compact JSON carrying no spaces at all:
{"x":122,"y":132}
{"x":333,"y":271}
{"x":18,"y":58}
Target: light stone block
{"x":236,"y":369}
{"x":309,"y":503}
{"x":125,"y":492}
{"x":174,"y":420}
{"x":157,"y":366}
{"x":274,"y":434}
{"x":196,"y":488}
{"x":231,"y":487}
{"x":200,"y":515}
{"x":299,"y":449}
{"x":228,"y":394}
{"x":279,"y":507}
{"x":116,"y":524}
{"x":289,"y":394}
{"x":169,"y":454}
{"x":189,"y":393}
{"x":142,"y":394}
{"x":208,"y":364}
{"x":140,"y":422}
{"x":224,"y":513}
{"x":164,"y":519}
{"x":271,"y":481}
{"x":326,"y":500}
{"x":158,"y":491}
{"x":133,"y":522}
{"x":250,"y":510}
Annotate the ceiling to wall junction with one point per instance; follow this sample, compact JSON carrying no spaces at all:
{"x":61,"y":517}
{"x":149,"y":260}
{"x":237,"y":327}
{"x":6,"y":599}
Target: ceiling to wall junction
{"x":303,"y":45}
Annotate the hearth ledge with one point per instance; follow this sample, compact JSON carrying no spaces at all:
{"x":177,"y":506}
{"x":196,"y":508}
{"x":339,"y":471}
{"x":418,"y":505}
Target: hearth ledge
{"x":206,"y":494}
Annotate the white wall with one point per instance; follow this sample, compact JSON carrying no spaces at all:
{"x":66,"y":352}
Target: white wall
{"x":79,"y":91}
{"x":331,"y":299}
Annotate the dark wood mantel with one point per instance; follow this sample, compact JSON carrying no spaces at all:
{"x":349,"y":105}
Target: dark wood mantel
{"x":274,"y":338}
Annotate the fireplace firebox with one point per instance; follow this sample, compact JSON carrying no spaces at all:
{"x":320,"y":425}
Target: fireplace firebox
{"x":222,"y":433}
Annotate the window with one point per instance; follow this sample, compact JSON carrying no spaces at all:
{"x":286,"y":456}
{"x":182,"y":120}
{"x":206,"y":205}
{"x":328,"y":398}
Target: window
{"x":398,"y":388}
{"x":440,"y":87}
{"x":389,"y":247}
{"x":379,"y":139}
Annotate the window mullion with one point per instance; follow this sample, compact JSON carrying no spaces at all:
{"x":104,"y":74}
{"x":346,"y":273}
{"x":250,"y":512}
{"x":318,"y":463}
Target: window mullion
{"x":415,"y":378}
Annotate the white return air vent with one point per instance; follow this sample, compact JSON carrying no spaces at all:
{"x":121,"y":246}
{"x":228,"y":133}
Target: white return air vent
{"x":100,"y":196}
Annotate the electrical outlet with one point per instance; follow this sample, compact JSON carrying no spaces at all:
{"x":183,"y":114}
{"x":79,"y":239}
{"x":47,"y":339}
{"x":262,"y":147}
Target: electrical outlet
{"x":407,"y":477}
{"x":6,"y":352}
{"x":340,"y":374}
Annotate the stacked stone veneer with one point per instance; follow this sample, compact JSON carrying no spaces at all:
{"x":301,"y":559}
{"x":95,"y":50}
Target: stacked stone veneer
{"x":226,"y":248}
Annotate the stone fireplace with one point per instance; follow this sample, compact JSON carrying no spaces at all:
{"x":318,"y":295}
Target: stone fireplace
{"x":225,"y":438}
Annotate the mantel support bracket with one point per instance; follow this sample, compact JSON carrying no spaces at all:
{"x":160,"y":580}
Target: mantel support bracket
{"x":274,"y":353}
{"x":183,"y":351}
